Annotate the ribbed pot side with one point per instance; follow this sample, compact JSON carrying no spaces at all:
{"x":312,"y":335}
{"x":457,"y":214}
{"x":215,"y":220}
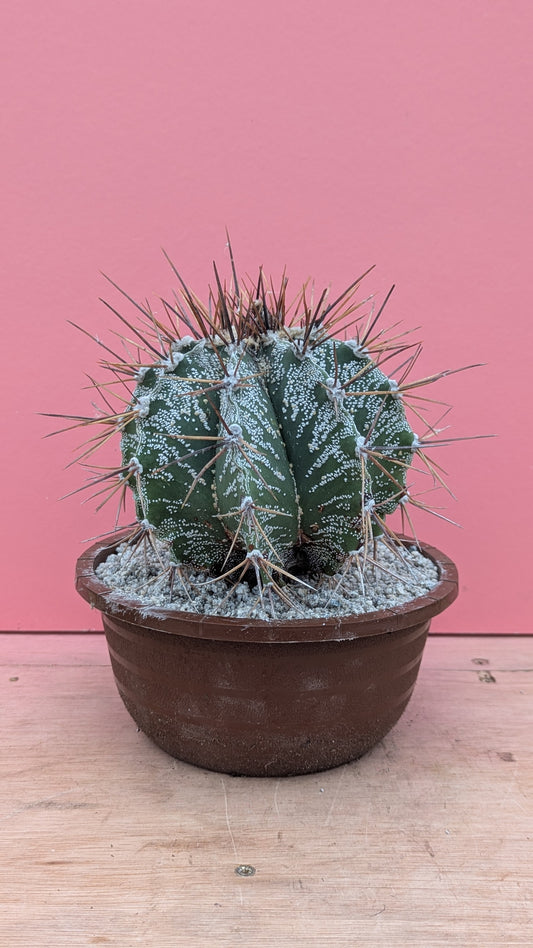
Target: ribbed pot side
{"x":265,"y":699}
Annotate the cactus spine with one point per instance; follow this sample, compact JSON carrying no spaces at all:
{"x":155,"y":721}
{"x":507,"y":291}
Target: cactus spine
{"x":257,"y":442}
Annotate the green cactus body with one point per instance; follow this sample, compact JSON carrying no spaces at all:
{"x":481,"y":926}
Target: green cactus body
{"x":266,"y":449}
{"x":255,"y":488}
{"x":379,"y":418}
{"x":170,"y":442}
{"x":321,"y":439}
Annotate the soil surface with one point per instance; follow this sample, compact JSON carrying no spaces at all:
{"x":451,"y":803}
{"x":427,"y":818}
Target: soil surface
{"x":388,"y":578}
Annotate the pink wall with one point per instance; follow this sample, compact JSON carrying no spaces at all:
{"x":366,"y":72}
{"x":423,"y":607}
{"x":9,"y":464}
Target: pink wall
{"x":326,"y":136}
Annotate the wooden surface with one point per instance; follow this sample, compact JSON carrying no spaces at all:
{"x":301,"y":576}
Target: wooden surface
{"x":426,"y":841}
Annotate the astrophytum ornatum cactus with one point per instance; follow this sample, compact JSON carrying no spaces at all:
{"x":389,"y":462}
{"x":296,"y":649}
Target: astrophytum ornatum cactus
{"x":256,"y":440}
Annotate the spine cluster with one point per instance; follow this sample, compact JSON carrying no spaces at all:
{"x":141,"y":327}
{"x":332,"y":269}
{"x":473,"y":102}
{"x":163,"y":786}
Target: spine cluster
{"x":255,"y":439}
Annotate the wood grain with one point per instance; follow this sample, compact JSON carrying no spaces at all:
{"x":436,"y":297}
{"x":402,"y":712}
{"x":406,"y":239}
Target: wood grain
{"x":426,"y":841}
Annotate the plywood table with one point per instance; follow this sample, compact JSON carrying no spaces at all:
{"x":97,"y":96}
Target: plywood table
{"x":426,"y":841}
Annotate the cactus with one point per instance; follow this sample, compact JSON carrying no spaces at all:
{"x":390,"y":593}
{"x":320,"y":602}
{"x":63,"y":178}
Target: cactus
{"x":255,"y":441}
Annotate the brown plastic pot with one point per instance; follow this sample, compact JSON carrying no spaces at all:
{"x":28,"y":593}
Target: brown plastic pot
{"x":258,"y":698}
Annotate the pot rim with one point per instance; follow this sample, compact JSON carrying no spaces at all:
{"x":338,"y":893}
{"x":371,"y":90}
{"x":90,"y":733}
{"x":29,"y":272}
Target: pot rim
{"x":235,"y":629}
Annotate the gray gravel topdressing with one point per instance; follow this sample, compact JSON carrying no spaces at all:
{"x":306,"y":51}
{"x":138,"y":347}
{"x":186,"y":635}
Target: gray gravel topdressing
{"x":144,"y":574}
